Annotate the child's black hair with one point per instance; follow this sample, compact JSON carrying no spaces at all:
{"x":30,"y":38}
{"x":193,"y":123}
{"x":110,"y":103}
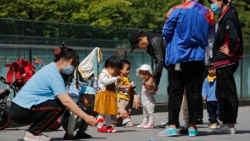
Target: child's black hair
{"x":123,"y":62}
{"x":113,"y":62}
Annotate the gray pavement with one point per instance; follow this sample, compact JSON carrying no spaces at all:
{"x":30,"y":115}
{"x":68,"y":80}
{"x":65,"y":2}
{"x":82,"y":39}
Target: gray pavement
{"x":137,"y":134}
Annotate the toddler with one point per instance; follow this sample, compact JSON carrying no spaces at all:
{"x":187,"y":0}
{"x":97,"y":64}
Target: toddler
{"x":208,"y":95}
{"x":126,"y":94}
{"x":147,"y":97}
{"x":106,"y":101}
{"x":71,"y":123}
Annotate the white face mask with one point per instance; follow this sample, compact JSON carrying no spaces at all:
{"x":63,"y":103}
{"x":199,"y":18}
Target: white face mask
{"x":68,"y":70}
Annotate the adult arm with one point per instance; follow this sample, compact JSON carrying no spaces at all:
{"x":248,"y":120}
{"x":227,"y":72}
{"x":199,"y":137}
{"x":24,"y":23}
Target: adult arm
{"x":233,"y":38}
{"x":169,"y":25}
{"x":157,"y":44}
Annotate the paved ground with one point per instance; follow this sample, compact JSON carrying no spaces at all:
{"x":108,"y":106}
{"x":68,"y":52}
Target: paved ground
{"x":136,"y":134}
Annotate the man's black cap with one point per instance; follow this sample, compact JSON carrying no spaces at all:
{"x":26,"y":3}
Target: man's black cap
{"x":134,"y":38}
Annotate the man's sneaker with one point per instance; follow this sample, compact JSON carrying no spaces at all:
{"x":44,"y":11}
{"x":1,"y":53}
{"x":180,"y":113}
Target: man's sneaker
{"x":224,"y":129}
{"x":169,"y":132}
{"x":31,"y":137}
{"x":192,"y":132}
{"x":183,"y":130}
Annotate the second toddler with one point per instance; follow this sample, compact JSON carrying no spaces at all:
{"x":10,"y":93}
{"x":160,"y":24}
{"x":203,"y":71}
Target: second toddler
{"x":147,"y":97}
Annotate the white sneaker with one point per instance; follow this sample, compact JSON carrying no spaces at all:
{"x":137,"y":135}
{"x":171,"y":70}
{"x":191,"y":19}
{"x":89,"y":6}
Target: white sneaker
{"x":30,"y":137}
{"x":213,"y":126}
{"x":224,"y":129}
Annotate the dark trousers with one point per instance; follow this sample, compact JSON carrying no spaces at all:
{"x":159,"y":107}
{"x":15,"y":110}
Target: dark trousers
{"x":190,"y":78}
{"x":226,"y":93}
{"x":39,"y":116}
{"x":213,"y":110}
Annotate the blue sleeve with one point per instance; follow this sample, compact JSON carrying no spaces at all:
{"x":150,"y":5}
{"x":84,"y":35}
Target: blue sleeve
{"x":204,"y":88}
{"x":169,"y":26}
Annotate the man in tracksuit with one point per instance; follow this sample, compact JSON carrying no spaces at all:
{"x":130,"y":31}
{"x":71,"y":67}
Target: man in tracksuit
{"x":186,"y":33}
{"x":155,"y":45}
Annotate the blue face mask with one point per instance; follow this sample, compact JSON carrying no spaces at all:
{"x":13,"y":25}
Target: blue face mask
{"x":68,"y":70}
{"x":215,"y":8}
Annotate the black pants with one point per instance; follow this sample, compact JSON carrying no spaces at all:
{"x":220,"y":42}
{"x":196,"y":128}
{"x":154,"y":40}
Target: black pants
{"x":190,"y":77}
{"x":213,"y":110}
{"x":226,"y":93}
{"x":39,"y":116}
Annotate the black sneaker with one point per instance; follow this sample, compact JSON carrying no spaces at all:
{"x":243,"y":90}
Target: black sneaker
{"x":184,"y":130}
{"x":69,"y":137}
{"x":82,"y":135}
{"x":200,"y":121}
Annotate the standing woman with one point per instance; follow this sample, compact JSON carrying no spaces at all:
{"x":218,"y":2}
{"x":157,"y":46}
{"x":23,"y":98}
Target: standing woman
{"x":44,"y":97}
{"x":227,"y":51}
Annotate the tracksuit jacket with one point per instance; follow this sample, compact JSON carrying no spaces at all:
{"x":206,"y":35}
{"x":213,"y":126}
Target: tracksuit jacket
{"x":186,"y":32}
{"x":229,"y":33}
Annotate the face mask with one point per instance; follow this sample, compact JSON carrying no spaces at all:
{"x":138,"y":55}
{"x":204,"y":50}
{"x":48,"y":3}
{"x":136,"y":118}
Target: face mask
{"x":68,"y":70}
{"x":215,"y":8}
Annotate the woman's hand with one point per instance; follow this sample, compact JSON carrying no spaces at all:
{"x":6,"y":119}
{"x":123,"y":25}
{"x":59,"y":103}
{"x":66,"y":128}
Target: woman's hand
{"x":90,"y":120}
{"x":224,"y":49}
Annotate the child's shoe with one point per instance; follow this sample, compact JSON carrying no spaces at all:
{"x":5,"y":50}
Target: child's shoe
{"x":105,"y":129}
{"x":213,"y":126}
{"x":102,"y":129}
{"x":148,"y":126}
{"x":129,"y":124}
{"x":110,"y":129}
{"x":192,"y":132}
{"x":141,"y":125}
{"x":224,"y":129}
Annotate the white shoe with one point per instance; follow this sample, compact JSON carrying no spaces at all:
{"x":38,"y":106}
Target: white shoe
{"x":213,"y":126}
{"x":30,"y":137}
{"x":224,"y":129}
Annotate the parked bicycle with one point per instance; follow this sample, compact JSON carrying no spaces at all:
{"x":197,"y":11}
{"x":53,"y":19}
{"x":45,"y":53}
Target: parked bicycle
{"x":4,"y":109}
{"x":5,"y":118}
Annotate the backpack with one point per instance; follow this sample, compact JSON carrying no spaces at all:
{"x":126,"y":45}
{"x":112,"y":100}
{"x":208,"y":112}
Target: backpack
{"x":19,"y":72}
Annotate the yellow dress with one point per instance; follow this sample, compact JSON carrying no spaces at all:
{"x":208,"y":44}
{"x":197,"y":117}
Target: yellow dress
{"x":106,"y":101}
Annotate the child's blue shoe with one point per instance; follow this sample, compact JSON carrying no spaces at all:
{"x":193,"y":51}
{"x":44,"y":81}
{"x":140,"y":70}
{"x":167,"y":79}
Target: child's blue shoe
{"x":169,"y":132}
{"x":192,"y":132}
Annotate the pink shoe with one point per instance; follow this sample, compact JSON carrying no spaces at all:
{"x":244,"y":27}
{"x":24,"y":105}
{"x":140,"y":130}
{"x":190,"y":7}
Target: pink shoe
{"x":141,"y":125}
{"x":148,"y":126}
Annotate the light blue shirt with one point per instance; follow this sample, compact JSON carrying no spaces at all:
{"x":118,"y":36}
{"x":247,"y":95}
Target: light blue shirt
{"x":208,"y":90}
{"x":46,"y":84}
